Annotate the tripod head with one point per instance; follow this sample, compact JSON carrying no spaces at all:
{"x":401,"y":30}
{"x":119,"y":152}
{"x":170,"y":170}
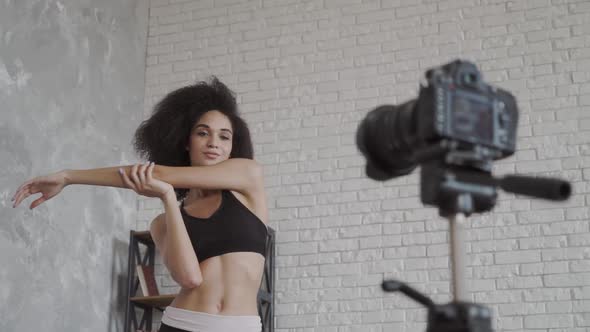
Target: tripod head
{"x":460,"y":181}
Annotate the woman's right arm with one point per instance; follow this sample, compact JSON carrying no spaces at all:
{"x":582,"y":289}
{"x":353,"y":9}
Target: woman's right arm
{"x":172,"y":240}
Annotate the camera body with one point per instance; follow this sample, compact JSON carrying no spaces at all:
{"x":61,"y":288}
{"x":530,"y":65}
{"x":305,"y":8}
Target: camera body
{"x":455,"y":111}
{"x":458,"y":105}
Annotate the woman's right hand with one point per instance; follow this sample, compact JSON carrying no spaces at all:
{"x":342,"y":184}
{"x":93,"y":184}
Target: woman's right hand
{"x":142,"y":182}
{"x":48,"y":185}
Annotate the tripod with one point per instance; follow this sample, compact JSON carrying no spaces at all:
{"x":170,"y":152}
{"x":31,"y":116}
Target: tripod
{"x":461,"y":184}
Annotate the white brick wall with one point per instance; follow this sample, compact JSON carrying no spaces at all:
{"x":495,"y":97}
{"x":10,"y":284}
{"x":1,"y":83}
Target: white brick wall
{"x":306,"y":72}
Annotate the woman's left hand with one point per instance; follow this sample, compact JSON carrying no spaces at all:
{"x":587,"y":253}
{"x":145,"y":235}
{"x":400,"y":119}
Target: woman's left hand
{"x":142,"y":182}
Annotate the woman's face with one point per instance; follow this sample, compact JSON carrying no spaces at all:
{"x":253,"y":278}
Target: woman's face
{"x":210,"y":141}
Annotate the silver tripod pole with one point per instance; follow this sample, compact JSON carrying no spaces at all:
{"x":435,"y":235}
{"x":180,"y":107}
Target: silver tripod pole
{"x":457,"y":246}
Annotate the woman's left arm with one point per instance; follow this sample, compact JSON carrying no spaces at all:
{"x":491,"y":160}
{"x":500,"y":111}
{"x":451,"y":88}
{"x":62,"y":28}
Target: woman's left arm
{"x":236,"y":174}
{"x":52,"y":184}
{"x":239,"y":174}
{"x":242,"y":175}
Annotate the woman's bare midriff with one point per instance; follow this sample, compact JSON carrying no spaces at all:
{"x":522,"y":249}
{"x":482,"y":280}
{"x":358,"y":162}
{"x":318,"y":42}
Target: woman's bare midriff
{"x":230,"y":286}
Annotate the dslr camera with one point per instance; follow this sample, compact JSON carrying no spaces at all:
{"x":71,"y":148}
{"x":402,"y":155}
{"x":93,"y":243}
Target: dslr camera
{"x":455,"y":110}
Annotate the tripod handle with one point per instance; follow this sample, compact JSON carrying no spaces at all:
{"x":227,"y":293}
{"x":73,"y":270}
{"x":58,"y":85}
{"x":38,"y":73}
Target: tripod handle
{"x":548,"y":188}
{"x":398,"y":286}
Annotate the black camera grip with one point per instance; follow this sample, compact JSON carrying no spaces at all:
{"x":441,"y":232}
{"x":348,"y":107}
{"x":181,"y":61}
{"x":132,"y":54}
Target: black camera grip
{"x":548,"y":188}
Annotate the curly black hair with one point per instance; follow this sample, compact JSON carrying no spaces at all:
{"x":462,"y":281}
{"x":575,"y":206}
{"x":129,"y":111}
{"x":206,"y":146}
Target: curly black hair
{"x":164,"y":136}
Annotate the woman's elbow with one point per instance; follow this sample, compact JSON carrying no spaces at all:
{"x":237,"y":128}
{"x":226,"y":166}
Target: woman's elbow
{"x":193,"y":282}
{"x":256,"y":172}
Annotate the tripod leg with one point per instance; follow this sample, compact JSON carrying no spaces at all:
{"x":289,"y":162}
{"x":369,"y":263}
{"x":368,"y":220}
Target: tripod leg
{"x":457,"y":246}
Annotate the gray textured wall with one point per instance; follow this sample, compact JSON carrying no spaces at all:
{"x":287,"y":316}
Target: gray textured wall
{"x":71,"y":94}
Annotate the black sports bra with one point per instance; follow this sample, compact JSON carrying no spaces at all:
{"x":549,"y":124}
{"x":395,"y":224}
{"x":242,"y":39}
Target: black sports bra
{"x":232,"y":228}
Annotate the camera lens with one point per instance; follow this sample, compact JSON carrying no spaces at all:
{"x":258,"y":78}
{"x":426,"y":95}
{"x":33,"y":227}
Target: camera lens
{"x":386,"y":137}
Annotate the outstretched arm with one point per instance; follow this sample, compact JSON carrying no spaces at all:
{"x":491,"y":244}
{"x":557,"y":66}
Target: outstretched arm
{"x":243,"y":175}
{"x":107,"y":176}
{"x":236,"y":174}
{"x":52,"y":184}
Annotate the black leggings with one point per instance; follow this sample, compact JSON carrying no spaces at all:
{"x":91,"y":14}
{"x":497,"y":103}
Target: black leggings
{"x":168,"y":328}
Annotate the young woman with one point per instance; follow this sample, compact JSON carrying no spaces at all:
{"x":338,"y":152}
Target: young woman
{"x":213,"y":243}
